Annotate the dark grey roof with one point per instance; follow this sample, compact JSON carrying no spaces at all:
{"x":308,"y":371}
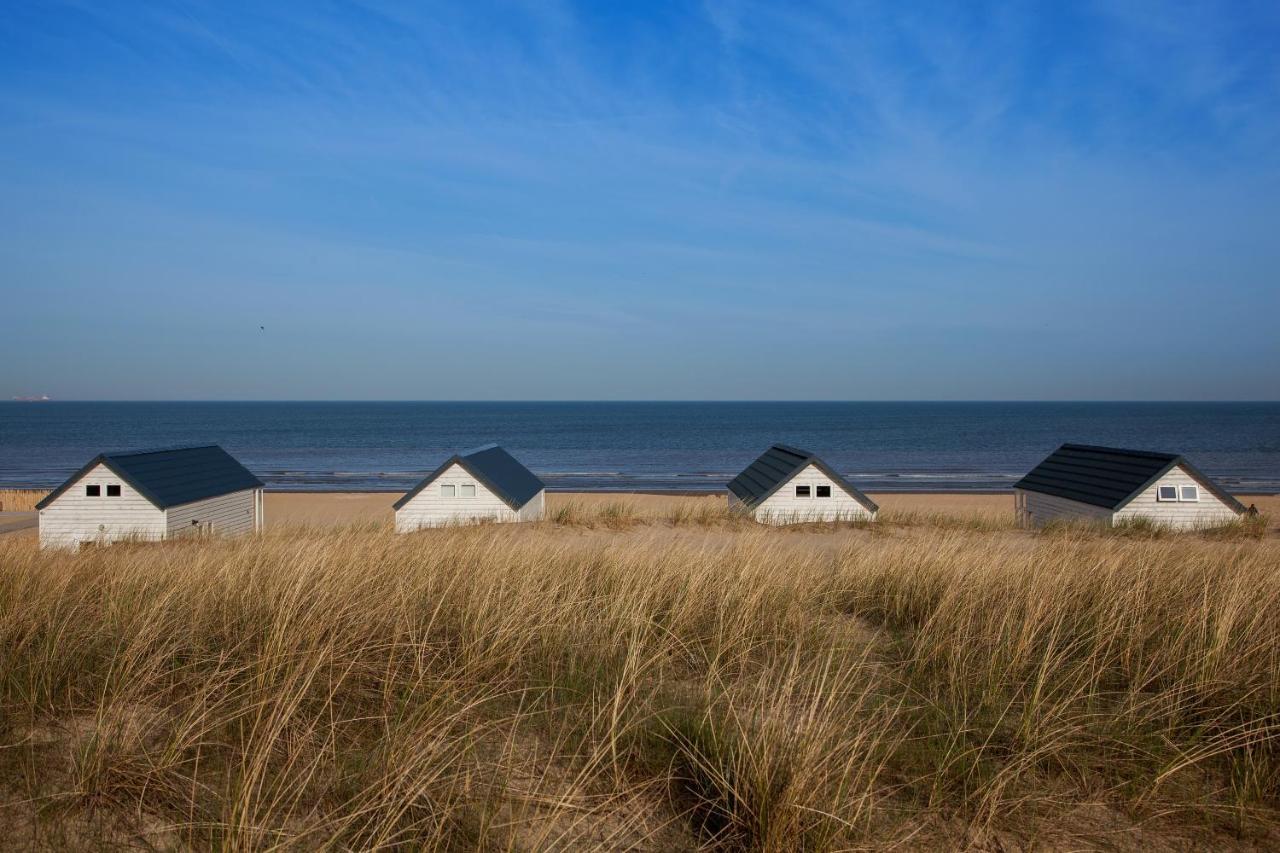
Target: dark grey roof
{"x":775,"y":468}
{"x":1108,"y":477}
{"x":172,"y":476}
{"x":497,"y":469}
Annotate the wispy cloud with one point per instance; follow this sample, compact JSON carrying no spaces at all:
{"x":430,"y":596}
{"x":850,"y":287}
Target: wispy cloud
{"x":672,"y":175}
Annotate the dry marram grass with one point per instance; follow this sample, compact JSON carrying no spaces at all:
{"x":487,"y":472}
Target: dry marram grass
{"x":20,"y":500}
{"x":550,"y":687}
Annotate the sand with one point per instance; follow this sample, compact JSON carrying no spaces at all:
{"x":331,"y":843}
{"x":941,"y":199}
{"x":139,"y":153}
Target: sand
{"x":333,"y":508}
{"x":326,"y":508}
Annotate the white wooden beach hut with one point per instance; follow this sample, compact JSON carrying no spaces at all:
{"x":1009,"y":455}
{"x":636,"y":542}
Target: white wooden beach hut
{"x":484,"y":484}
{"x":1110,"y":485}
{"x":152,"y":495}
{"x":790,"y":486}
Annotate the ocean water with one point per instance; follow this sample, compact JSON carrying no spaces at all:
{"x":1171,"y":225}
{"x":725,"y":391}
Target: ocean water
{"x":642,"y":446}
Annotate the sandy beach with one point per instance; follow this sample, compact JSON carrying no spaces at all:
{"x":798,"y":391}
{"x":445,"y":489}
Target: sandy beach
{"x":329,"y":508}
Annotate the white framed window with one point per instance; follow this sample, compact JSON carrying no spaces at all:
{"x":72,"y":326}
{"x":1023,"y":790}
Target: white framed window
{"x":822,"y":491}
{"x":803,"y":492}
{"x":1166,"y":493}
{"x":1188,"y":493}
{"x":447,"y":490}
{"x":467,"y":490}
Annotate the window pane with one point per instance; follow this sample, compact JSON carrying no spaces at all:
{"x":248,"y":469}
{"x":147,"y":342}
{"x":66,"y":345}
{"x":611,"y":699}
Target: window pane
{"x":823,"y":491}
{"x":802,"y":491}
{"x":113,"y":491}
{"x":1167,"y":493}
{"x":446,"y":491}
{"x":1190,"y":493}
{"x":468,"y":491}
{"x":92,"y":491}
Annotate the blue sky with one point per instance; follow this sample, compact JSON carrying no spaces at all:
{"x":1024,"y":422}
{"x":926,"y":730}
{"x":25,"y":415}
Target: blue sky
{"x":640,"y":201}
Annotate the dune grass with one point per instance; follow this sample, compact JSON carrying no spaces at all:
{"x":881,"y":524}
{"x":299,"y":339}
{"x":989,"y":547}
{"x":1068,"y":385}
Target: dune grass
{"x":20,"y":500}
{"x":531,"y":689}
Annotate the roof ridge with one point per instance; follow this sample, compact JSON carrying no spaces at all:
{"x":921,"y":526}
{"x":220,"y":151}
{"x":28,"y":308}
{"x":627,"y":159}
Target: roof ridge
{"x":1148,"y":454}
{"x":768,"y":473}
{"x":114,"y":454}
{"x":777,"y":445}
{"x":504,"y":475}
{"x":184,"y":475}
{"x":480,"y":449}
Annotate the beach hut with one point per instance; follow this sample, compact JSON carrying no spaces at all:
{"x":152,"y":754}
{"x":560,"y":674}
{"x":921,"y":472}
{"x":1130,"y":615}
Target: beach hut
{"x":1109,"y":485}
{"x":152,"y":495}
{"x":790,"y":486}
{"x":484,"y":484}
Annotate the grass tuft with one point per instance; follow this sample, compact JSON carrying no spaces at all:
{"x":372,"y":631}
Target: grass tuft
{"x":526,"y":688}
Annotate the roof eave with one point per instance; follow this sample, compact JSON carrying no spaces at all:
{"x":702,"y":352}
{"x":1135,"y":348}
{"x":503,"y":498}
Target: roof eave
{"x":259,"y":485}
{"x":424,"y":482}
{"x":474,"y":472}
{"x":1024,"y":487}
{"x":490,"y":485}
{"x":850,"y":489}
{"x":101,"y":459}
{"x":1180,"y":462}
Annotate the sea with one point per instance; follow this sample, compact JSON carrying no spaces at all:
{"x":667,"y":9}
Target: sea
{"x":641,"y":446}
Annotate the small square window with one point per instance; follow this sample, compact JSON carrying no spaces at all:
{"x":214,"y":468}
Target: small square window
{"x":113,"y":491}
{"x":467,"y":491}
{"x":1166,"y":493}
{"x":1189,"y":493}
{"x":93,"y":491}
{"x":822,"y":491}
{"x":446,"y":490}
{"x":802,"y":491}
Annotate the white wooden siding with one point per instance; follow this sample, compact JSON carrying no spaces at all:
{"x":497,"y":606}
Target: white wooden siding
{"x":431,"y":509}
{"x":1209,"y":511}
{"x":1042,"y":509}
{"x":74,"y":518}
{"x":783,"y":507}
{"x":534,"y":509}
{"x":225,"y":515}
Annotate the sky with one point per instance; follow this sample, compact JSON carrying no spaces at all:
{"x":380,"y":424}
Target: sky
{"x":720,"y":200}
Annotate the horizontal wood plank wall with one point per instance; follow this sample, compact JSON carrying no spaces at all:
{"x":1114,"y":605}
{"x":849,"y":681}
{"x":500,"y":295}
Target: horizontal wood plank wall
{"x":75,"y":518}
{"x":1209,"y":511}
{"x":430,"y":509}
{"x":227,"y":515}
{"x":783,"y":507}
{"x":1042,"y":509}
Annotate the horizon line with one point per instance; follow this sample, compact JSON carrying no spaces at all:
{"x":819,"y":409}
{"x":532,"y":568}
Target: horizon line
{"x":644,"y":400}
